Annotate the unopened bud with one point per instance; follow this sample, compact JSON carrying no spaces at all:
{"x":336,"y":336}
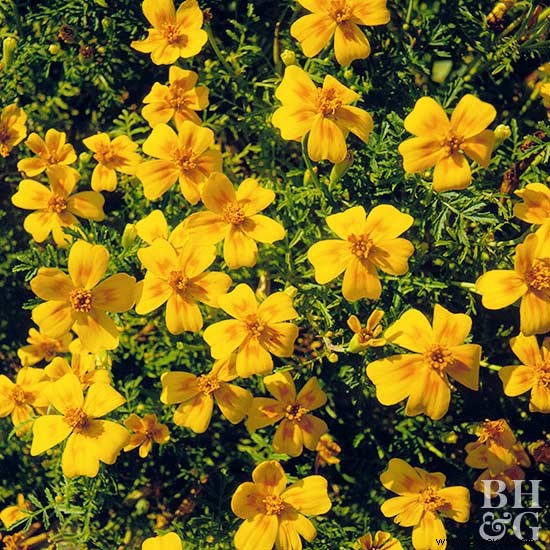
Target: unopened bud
{"x":291,"y":291}
{"x":502,"y":132}
{"x":129,"y":236}
{"x":333,"y":358}
{"x":288,"y":57}
{"x":441,"y":70}
{"x":340,"y":169}
{"x":8,"y":47}
{"x":54,"y":49}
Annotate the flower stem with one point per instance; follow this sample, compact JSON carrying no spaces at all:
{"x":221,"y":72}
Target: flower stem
{"x":217,"y":51}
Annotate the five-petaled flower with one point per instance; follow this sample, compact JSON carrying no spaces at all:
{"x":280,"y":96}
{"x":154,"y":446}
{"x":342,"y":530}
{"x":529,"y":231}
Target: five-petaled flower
{"x":233,"y":217}
{"x":367,"y":243}
{"x":89,"y":440}
{"x":324,"y":112}
{"x":41,"y":347}
{"x":444,"y":144}
{"x":174,"y":34}
{"x":13,"y":128}
{"x":275,"y":514}
{"x":341,"y":19}
{"x":145,"y":431}
{"x":79,"y":300}
{"x":256,"y":332}
{"x":422,"y":497}
{"x":423,"y":376}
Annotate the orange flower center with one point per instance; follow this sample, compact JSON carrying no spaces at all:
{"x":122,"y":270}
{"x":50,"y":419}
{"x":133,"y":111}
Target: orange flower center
{"x":184,"y":158}
{"x":274,"y":505}
{"x":430,"y":500}
{"x":254,"y":326}
{"x":50,"y":349}
{"x":208,"y":383}
{"x":295,"y":412}
{"x":340,"y":11}
{"x":542,"y":373}
{"x":538,"y":277}
{"x":327,"y":102}
{"x":57,"y":204}
{"x":108,"y":157}
{"x":491,"y":430}
{"x":81,"y":300}
{"x":76,"y":418}
{"x":173,"y":35}
{"x":233,"y":213}
{"x":360,"y":246}
{"x":14,"y":542}
{"x":452,"y":144}
{"x":365,"y":335}
{"x":438,"y":357}
{"x":178,"y":282}
{"x":20,"y":396}
{"x":178,"y":98}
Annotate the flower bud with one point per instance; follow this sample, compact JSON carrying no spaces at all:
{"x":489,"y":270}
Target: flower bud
{"x":502,"y":132}
{"x":54,"y":49}
{"x":129,"y":236}
{"x":8,"y":47}
{"x":333,"y":358}
{"x":291,"y":291}
{"x":340,"y":169}
{"x":441,"y":69}
{"x":288,"y":57}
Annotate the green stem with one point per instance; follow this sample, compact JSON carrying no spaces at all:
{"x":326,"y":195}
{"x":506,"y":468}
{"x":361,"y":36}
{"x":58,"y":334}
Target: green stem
{"x":17,"y":19}
{"x":312,"y":173}
{"x":217,"y":51}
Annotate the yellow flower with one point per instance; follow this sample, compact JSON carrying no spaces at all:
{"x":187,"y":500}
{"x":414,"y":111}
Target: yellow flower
{"x":324,"y":112}
{"x":12,"y":128}
{"x":536,"y":205}
{"x":89,"y":440}
{"x":256,"y":332}
{"x":57,"y":207}
{"x":380,"y":541}
{"x":186,"y":156}
{"x":19,"y":399}
{"x":154,"y":226}
{"x":174,"y":34}
{"x":444,"y":144}
{"x":509,"y":476}
{"x":170,"y":541}
{"x":533,"y":374}
{"x":367,"y":336}
{"x":338,"y":18}
{"x":42,"y":347}
{"x":327,"y":451}
{"x":367,"y":243}
{"x":422,"y":376}
{"x":528,"y":281}
{"x":178,"y":278}
{"x":145,"y":430}
{"x":275,"y":514}
{"x":13,"y":514}
{"x":233,"y":217}
{"x":196,"y":395}
{"x":77,"y":301}
{"x":179,"y":100}
{"x":113,"y":156}
{"x":53,"y":151}
{"x":422,"y":497}
{"x":298,"y":428}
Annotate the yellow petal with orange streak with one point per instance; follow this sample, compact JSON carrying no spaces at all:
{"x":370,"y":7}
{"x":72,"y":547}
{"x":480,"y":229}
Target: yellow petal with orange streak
{"x":234,"y":402}
{"x":329,"y":258}
{"x":361,"y":281}
{"x":313,"y":32}
{"x":471,"y":116}
{"x":288,"y":438}
{"x":516,"y":379}
{"x":257,"y":532}
{"x":225,"y":337}
{"x":534,"y":313}
{"x":308,"y":496}
{"x":452,"y":173}
{"x":350,"y":43}
{"x":87,"y":264}
{"x":195,"y":413}
{"x":48,"y":431}
{"x":465,"y":365}
{"x":401,"y":478}
{"x":500,"y":288}
{"x":480,"y":147}
{"x":326,"y":141}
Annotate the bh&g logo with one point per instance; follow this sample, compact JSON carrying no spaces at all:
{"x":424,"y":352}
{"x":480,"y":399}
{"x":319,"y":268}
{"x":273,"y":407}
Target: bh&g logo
{"x":493,"y":527}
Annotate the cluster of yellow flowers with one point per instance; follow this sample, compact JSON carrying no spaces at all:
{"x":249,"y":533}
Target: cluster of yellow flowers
{"x":68,"y":401}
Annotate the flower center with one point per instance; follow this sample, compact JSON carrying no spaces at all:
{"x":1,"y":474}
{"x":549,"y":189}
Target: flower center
{"x":178,"y":282}
{"x":173,"y":35}
{"x":340,"y":11}
{"x":108,"y":157}
{"x":208,"y":383}
{"x":184,"y":158}
{"x":365,"y":335}
{"x":327,"y":102}
{"x":232,"y":213}
{"x":542,"y":373}
{"x":295,"y":412}
{"x":360,"y":246}
{"x":430,"y":500}
{"x":20,"y":396}
{"x":274,"y":505}
{"x":50,"y":349}
{"x":81,"y":300}
{"x":438,"y":357}
{"x":538,"y":277}
{"x":255,"y":326}
{"x":491,"y":430}
{"x":76,"y":418}
{"x":452,"y":144}
{"x":57,"y":204}
{"x":177,"y":98}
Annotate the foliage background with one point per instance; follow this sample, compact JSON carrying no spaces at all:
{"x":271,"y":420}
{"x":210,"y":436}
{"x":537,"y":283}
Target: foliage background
{"x":90,"y":80}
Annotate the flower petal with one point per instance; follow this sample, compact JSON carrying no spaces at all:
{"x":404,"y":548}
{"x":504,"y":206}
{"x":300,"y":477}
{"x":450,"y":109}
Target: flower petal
{"x":271,"y":476}
{"x":182,"y":314}
{"x":277,"y":307}
{"x":500,"y":288}
{"x":217,"y":192}
{"x":253,"y":358}
{"x":225,"y":337}
{"x":87,"y":205}
{"x":196,"y":413}
{"x":257,"y":532}
{"x":361,"y":281}
{"x":296,"y":88}
{"x":329,"y":258}
{"x":160,"y":259}
{"x":97,"y":331}
{"x":281,"y":386}
{"x":239,"y":250}
{"x":101,"y":399}
{"x":350,"y":43}
{"x":263,"y":229}
{"x":55,"y":318}
{"x":152,"y":227}
{"x":240,"y":303}
{"x":157,"y":176}
{"x":534,"y":313}
{"x":526,"y":349}
{"x":450,"y":329}
{"x":178,"y":387}
{"x":459,"y":500}
{"x":429,"y":394}
{"x":326,"y":141}
{"x":420,"y":153}
{"x":312,"y":429}
{"x":309,"y":496}
{"x":465,"y":365}
{"x":279,"y":339}
{"x":429,"y":529}
{"x":516,"y":379}
{"x":115,"y":294}
{"x":480,"y":147}
{"x":401,"y":478}
{"x":311,"y":396}
{"x":51,"y":284}
{"x":31,"y":195}
{"x":288,"y":438}
{"x":151,"y":293}
{"x":471,"y":116}
{"x":48,"y":431}
{"x":452,"y":173}
{"x":313,"y":32}
{"x":66,"y":393}
{"x":234,"y":402}
{"x":87,"y":264}
{"x":428,"y":119}
{"x":356,"y":120}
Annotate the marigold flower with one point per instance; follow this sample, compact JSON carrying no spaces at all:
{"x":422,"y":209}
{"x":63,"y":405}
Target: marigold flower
{"x":256,"y":332}
{"x":367,"y":336}
{"x":275,"y":514}
{"x":341,"y":19}
{"x":233,"y":217}
{"x":186,"y":156}
{"x":174,"y":34}
{"x":508,"y":476}
{"x":12,"y":128}
{"x":178,"y":278}
{"x":77,"y":301}
{"x":422,"y":498}
{"x":422,"y":376}
{"x":145,"y":430}
{"x":42,"y":347}
{"x":535,"y":207}
{"x":324,"y":112}
{"x":179,"y":100}
{"x":154,"y":226}
{"x":57,"y":207}
{"x":53,"y":151}
{"x":89,"y":440}
{"x":367,"y":243}
{"x":533,"y":374}
{"x":20,"y":398}
{"x":443,"y":143}
{"x":298,"y":428}
{"x":198,"y":393}
{"x":528,"y":281}
{"x":327,"y":451}
{"x":380,"y":541}
{"x":118,"y":155}
{"x":170,"y":541}
{"x":15,"y":513}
